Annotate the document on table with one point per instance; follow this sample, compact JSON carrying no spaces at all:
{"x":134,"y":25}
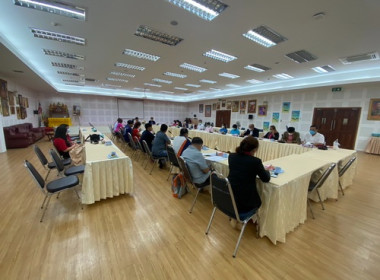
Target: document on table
{"x":215,"y":158}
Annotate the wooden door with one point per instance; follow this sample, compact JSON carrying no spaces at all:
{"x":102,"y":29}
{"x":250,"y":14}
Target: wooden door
{"x":323,"y":119}
{"x":223,"y":117}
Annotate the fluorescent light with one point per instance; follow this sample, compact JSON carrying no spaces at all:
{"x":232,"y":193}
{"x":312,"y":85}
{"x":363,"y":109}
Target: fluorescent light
{"x":122,"y":74}
{"x":63,"y":54}
{"x":181,"y":88}
{"x":164,"y":91}
{"x":111,"y":86}
{"x":217,"y":55}
{"x":228,"y":75}
{"x":49,"y":35}
{"x":161,"y":81}
{"x":215,"y":88}
{"x":192,"y":67}
{"x":70,"y":74}
{"x":154,"y":35}
{"x":202,"y":91}
{"x":129,"y":66}
{"x":208,"y":81}
{"x":141,"y":55}
{"x":53,"y":7}
{"x":232,"y":85}
{"x":283,"y":76}
{"x":182,"y":76}
{"x":73,"y":81}
{"x":257,"y":68}
{"x":253,"y":81}
{"x":205,"y":9}
{"x":117,"y":80}
{"x":144,"y":89}
{"x":152,"y":85}
{"x":264,"y":36}
{"x":259,"y":39}
{"x":192,"y":85}
{"x":323,"y":69}
{"x":66,"y":65}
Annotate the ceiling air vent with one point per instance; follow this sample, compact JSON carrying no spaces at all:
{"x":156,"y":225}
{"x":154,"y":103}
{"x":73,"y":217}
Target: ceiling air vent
{"x":301,"y":56}
{"x":90,"y":80}
{"x":360,"y":58}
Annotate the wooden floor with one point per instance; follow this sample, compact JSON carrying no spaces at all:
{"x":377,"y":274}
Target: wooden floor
{"x":152,"y":236}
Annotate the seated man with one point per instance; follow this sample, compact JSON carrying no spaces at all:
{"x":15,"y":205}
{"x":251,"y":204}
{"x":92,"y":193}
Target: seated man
{"x":313,"y":137}
{"x":196,"y":163}
{"x":152,"y":121}
{"x":159,"y":144}
{"x":181,"y":142}
{"x":252,"y":131}
{"x":291,"y":136}
{"x":235,"y":131}
{"x":223,"y":129}
{"x":128,"y":128}
{"x":200,"y":125}
{"x":148,"y":136}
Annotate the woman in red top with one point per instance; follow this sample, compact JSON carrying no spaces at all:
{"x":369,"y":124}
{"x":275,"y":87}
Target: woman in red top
{"x":61,"y":143}
{"x":136,"y":131}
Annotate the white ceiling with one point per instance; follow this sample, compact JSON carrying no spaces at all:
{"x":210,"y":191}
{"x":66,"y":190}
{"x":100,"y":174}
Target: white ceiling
{"x":350,"y":27}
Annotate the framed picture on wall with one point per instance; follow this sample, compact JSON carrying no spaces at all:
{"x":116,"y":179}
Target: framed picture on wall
{"x":286,"y":107}
{"x":13,"y":110}
{"x":11,"y":98}
{"x":218,"y":106}
{"x":214,"y":106}
{"x":3,"y":89}
{"x":208,"y":111}
{"x":235,"y":106}
{"x":295,"y":116}
{"x":263,"y":110}
{"x":243,"y":104}
{"x":200,"y":108}
{"x":18,"y":113}
{"x":275,"y":117}
{"x":228,"y":105}
{"x":374,"y":110}
{"x":5,"y":107}
{"x":252,"y":106}
{"x":223,"y":103}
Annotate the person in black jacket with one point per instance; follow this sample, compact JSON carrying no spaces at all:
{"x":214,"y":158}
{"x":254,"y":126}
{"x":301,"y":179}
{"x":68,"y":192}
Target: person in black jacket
{"x":273,"y":133}
{"x":244,"y":167}
{"x":148,"y":136}
{"x":252,"y":131}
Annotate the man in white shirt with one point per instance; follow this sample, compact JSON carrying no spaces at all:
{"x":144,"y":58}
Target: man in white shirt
{"x":313,"y":137}
{"x":200,"y":125}
{"x":181,"y":142}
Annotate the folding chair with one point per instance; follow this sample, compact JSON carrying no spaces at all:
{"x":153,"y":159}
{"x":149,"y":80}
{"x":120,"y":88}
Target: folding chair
{"x":223,"y":199}
{"x":132,"y":144}
{"x":153,"y":158}
{"x":314,"y":186}
{"x":74,"y":170}
{"x":113,"y":134}
{"x":140,"y":148}
{"x":53,"y":187}
{"x":343,"y":170}
{"x":173,"y":159}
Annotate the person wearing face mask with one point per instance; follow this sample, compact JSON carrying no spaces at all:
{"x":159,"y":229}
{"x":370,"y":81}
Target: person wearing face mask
{"x":272,"y":134}
{"x":291,"y":136}
{"x":223,"y":130}
{"x":313,"y":137}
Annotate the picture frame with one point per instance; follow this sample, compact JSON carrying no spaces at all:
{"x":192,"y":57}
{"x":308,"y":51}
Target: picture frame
{"x":200,"y":108}
{"x":214,"y":106}
{"x":286,"y":107}
{"x":223,"y":103}
{"x":4,"y":106}
{"x":11,"y":98}
{"x":374,"y":109}
{"x":18,"y":113}
{"x":295,"y":116}
{"x":252,"y":106}
{"x":218,"y":106}
{"x":228,"y":105}
{"x":276,"y":117}
{"x":3,"y":89}
{"x":13,"y":110}
{"x":208,"y":111}
{"x":243,"y":105}
{"x":235,"y":106}
{"x":262,"y":110}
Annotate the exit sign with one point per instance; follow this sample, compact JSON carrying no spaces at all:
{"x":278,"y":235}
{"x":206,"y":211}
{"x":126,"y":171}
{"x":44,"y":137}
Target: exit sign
{"x":336,"y":89}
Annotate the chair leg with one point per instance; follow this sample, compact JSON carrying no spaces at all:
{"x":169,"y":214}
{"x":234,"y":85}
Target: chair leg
{"x":320,"y":200}
{"x":47,"y":204}
{"x":80,"y":201}
{"x":240,"y":237}
{"x":58,"y":195}
{"x":341,"y":188}
{"x":43,"y":203}
{"x":311,"y":209}
{"x":211,"y":218}
{"x":170,"y":171}
{"x":194,"y":201}
{"x":153,"y":165}
{"x":47,"y":175}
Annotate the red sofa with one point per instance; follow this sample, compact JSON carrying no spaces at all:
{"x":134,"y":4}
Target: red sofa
{"x":22,"y":135}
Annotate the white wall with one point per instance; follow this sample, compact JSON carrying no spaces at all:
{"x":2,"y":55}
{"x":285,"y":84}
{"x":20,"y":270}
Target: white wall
{"x":305,"y":101}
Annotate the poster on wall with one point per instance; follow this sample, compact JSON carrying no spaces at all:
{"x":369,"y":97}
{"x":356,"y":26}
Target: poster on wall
{"x":13,"y":110}
{"x":218,"y":106}
{"x":266,"y":126}
{"x":200,"y":108}
{"x":214,"y":106}
{"x":252,"y":106}
{"x":18,"y":113}
{"x":235,"y":106}
{"x":208,"y":111}
{"x":3,"y":89}
{"x":263,"y":110}
{"x":286,"y":107}
{"x":228,"y":105}
{"x":4,"y":106}
{"x":223,"y":103}
{"x":295,"y":116}
{"x":275,"y":117}
{"x":374,"y":110}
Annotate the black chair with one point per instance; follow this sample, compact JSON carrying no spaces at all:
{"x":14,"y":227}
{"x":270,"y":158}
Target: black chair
{"x":153,"y":158}
{"x":53,"y":187}
{"x":113,"y":134}
{"x":314,"y":186}
{"x":343,"y":170}
{"x":74,"y":170}
{"x":140,"y":148}
{"x":187,"y":175}
{"x":173,"y":159}
{"x":132,"y":144}
{"x":48,"y":165}
{"x":223,"y":199}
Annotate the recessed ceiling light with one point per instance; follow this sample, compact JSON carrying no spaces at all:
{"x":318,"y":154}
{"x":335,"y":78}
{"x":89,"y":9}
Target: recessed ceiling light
{"x":63,"y":54}
{"x":154,"y":35}
{"x":122,"y":74}
{"x":70,"y":74}
{"x":49,"y":35}
{"x":66,"y":65}
{"x":129,"y":66}
{"x":301,"y":56}
{"x":193,"y":85}
{"x":161,"y":81}
{"x":73,"y":81}
{"x":117,"y":80}
{"x":232,"y":85}
{"x":323,"y":69}
{"x":111,"y":86}
{"x":257,"y":68}
{"x":228,"y":75}
{"x":208,"y":81}
{"x":164,"y":91}
{"x":144,"y":89}
{"x":253,"y":81}
{"x":217,"y":55}
{"x":182,"y":76}
{"x":206,"y":9}
{"x":152,"y":85}
{"x":283,"y":76}
{"x":202,"y":91}
{"x":141,"y":55}
{"x":181,"y":88}
{"x":54,"y":7}
{"x":215,"y":88}
{"x":192,"y":67}
{"x":264,"y":36}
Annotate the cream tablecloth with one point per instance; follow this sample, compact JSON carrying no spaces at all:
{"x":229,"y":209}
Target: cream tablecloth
{"x":373,"y":146}
{"x":104,"y":178}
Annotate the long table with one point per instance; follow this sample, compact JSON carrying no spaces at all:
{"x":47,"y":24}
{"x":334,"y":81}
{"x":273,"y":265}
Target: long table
{"x":103,"y":177}
{"x":373,"y":146}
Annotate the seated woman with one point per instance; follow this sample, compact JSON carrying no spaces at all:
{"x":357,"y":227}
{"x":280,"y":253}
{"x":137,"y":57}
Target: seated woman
{"x":235,"y":131}
{"x":118,"y":125}
{"x":272,"y":134}
{"x":61,"y":143}
{"x":244,"y":167}
{"x":223,"y":130}
{"x":209,"y":128}
{"x":136,"y":131}
{"x":291,"y":136}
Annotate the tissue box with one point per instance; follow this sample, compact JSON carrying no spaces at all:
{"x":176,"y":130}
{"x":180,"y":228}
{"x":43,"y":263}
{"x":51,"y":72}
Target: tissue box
{"x":375,"y":134}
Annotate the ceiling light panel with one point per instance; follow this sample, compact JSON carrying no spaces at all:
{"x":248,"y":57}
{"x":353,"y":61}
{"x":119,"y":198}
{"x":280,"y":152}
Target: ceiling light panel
{"x":164,"y":91}
{"x":215,"y":88}
{"x":206,"y":9}
{"x":264,"y":36}
{"x":143,"y":89}
{"x":66,"y":65}
{"x":192,"y":67}
{"x":152,"y":85}
{"x":63,"y":54}
{"x":217,"y":55}
{"x":193,"y":85}
{"x":129,"y":66}
{"x":70,"y":74}
{"x":323,"y":69}
{"x":122,"y":74}
{"x":72,"y":81}
{"x":141,"y":55}
{"x":111,"y":86}
{"x":161,"y":81}
{"x":176,"y":75}
{"x":232,"y":85}
{"x":229,"y":75}
{"x":157,"y":36}
{"x":253,"y":81}
{"x":283,"y":76}
{"x":202,"y":91}
{"x":181,"y":88}
{"x":53,"y":7}
{"x":49,"y":35}
{"x":208,"y":81}
{"x":257,"y":68}
{"x":301,"y":56}
{"x":117,"y":80}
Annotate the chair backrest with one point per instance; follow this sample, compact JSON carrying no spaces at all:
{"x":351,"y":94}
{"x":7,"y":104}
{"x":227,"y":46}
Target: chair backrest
{"x":36,"y":176}
{"x":138,"y":143}
{"x":172,"y":156}
{"x":186,"y":173}
{"x":348,"y":164}
{"x":40,"y":155}
{"x":147,"y":150}
{"x":57,"y":160}
{"x":131,"y":142}
{"x":324,"y":176}
{"x":222,"y":196}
